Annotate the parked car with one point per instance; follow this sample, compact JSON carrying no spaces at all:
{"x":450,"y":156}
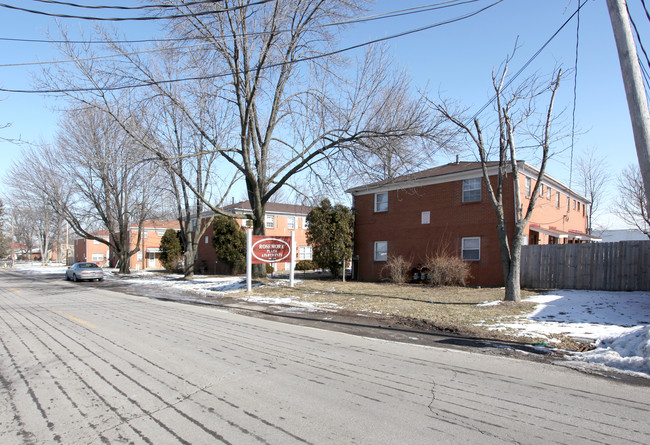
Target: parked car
{"x":84,"y":271}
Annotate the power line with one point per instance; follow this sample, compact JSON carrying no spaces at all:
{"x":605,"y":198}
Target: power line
{"x":638,"y":36}
{"x":575,"y":94}
{"x":647,"y":14}
{"x":274,"y":65}
{"x":517,"y":74}
{"x":139,"y":18}
{"x":125,"y":8}
{"x":381,"y":16}
{"x":528,"y":62}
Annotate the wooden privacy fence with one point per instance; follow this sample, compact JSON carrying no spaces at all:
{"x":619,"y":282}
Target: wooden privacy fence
{"x":622,"y":266}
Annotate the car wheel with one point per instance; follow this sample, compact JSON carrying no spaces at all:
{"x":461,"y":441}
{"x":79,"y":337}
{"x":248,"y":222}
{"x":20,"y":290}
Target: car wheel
{"x":67,"y":278}
{"x":74,"y":277}
{"x":100,"y":279}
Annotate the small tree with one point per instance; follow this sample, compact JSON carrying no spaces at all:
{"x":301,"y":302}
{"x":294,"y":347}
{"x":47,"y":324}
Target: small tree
{"x":330,"y":234}
{"x":170,"y":246}
{"x":229,"y":242}
{"x":593,"y":174}
{"x":510,"y":114}
{"x":632,"y":205}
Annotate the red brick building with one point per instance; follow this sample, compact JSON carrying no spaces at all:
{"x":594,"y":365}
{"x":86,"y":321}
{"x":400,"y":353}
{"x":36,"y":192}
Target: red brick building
{"x":281,"y":220}
{"x":448,"y":208}
{"x":148,"y":257}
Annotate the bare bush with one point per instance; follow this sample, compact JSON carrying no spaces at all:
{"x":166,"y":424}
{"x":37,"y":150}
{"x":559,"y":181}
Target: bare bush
{"x":397,"y":269}
{"x":447,"y":270}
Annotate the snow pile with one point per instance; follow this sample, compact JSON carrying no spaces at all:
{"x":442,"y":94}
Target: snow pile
{"x":629,"y":352}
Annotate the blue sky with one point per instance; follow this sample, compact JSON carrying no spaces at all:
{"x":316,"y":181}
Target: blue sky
{"x":455,"y":60}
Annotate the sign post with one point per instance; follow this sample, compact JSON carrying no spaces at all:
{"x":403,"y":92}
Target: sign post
{"x":292,"y":264}
{"x":249,"y":265}
{"x":269,"y":249}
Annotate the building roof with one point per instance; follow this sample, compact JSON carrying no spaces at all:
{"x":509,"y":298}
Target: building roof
{"x":271,"y":207}
{"x":456,"y":171}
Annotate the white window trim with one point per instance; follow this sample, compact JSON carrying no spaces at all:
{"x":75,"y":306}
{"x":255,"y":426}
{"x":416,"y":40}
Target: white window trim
{"x":305,"y":224}
{"x":385,"y":203}
{"x":97,"y":257}
{"x":291,"y":222}
{"x":462,"y":248}
{"x":425,"y":218}
{"x":466,"y":181}
{"x":305,"y":253}
{"x":270,"y":218}
{"x":384,"y":257}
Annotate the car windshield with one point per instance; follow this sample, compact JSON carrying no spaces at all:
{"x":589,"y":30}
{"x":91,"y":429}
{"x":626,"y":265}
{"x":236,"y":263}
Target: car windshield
{"x":88,"y":266}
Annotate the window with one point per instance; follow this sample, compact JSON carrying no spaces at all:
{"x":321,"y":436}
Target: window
{"x":248,"y":222}
{"x":557,"y":199}
{"x":98,"y":257}
{"x":304,"y":253}
{"x":574,"y":204}
{"x":471,"y":249}
{"x":426,"y":217}
{"x":146,"y":234}
{"x":381,"y":250}
{"x":541,"y":190}
{"x":472,"y":190}
{"x":548,"y":193}
{"x":206,"y":239}
{"x":193,"y":225}
{"x":291,"y":222}
{"x":95,"y":241}
{"x":139,"y":255}
{"x":578,"y":206}
{"x":529,"y":184}
{"x":270,"y":221}
{"x":381,"y":202}
{"x":568,"y":203}
{"x":305,"y":223}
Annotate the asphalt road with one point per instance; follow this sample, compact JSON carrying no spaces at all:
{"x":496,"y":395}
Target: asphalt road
{"x":80,"y":364}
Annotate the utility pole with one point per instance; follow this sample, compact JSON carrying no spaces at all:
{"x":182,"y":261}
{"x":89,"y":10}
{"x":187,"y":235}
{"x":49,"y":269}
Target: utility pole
{"x":634,"y":89}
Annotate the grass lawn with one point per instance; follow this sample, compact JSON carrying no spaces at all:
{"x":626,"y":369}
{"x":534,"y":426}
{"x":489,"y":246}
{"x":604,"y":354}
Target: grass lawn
{"x":449,"y":308}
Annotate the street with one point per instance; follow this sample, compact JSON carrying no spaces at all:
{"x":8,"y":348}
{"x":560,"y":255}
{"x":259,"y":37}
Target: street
{"x":82,"y":364}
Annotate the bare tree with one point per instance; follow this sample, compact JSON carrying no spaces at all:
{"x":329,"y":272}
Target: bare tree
{"x":593,"y":175}
{"x":632,"y":205}
{"x":94,"y":178}
{"x":511,"y":114}
{"x":294,"y":102}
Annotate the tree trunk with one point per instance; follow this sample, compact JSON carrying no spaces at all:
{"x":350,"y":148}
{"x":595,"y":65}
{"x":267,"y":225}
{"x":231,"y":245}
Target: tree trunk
{"x":123,"y":257}
{"x":189,"y":262}
{"x":513,"y":280}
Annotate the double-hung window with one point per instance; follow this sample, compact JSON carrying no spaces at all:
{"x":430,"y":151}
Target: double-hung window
{"x":529,"y":184}
{"x":269,"y":221}
{"x":472,"y":190}
{"x":291,"y":222}
{"x":471,"y":248}
{"x":304,"y":253}
{"x":381,"y":202}
{"x":381,"y":250}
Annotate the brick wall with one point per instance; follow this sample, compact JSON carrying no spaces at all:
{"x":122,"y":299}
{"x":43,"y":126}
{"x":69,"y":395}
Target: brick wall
{"x":450,"y":221}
